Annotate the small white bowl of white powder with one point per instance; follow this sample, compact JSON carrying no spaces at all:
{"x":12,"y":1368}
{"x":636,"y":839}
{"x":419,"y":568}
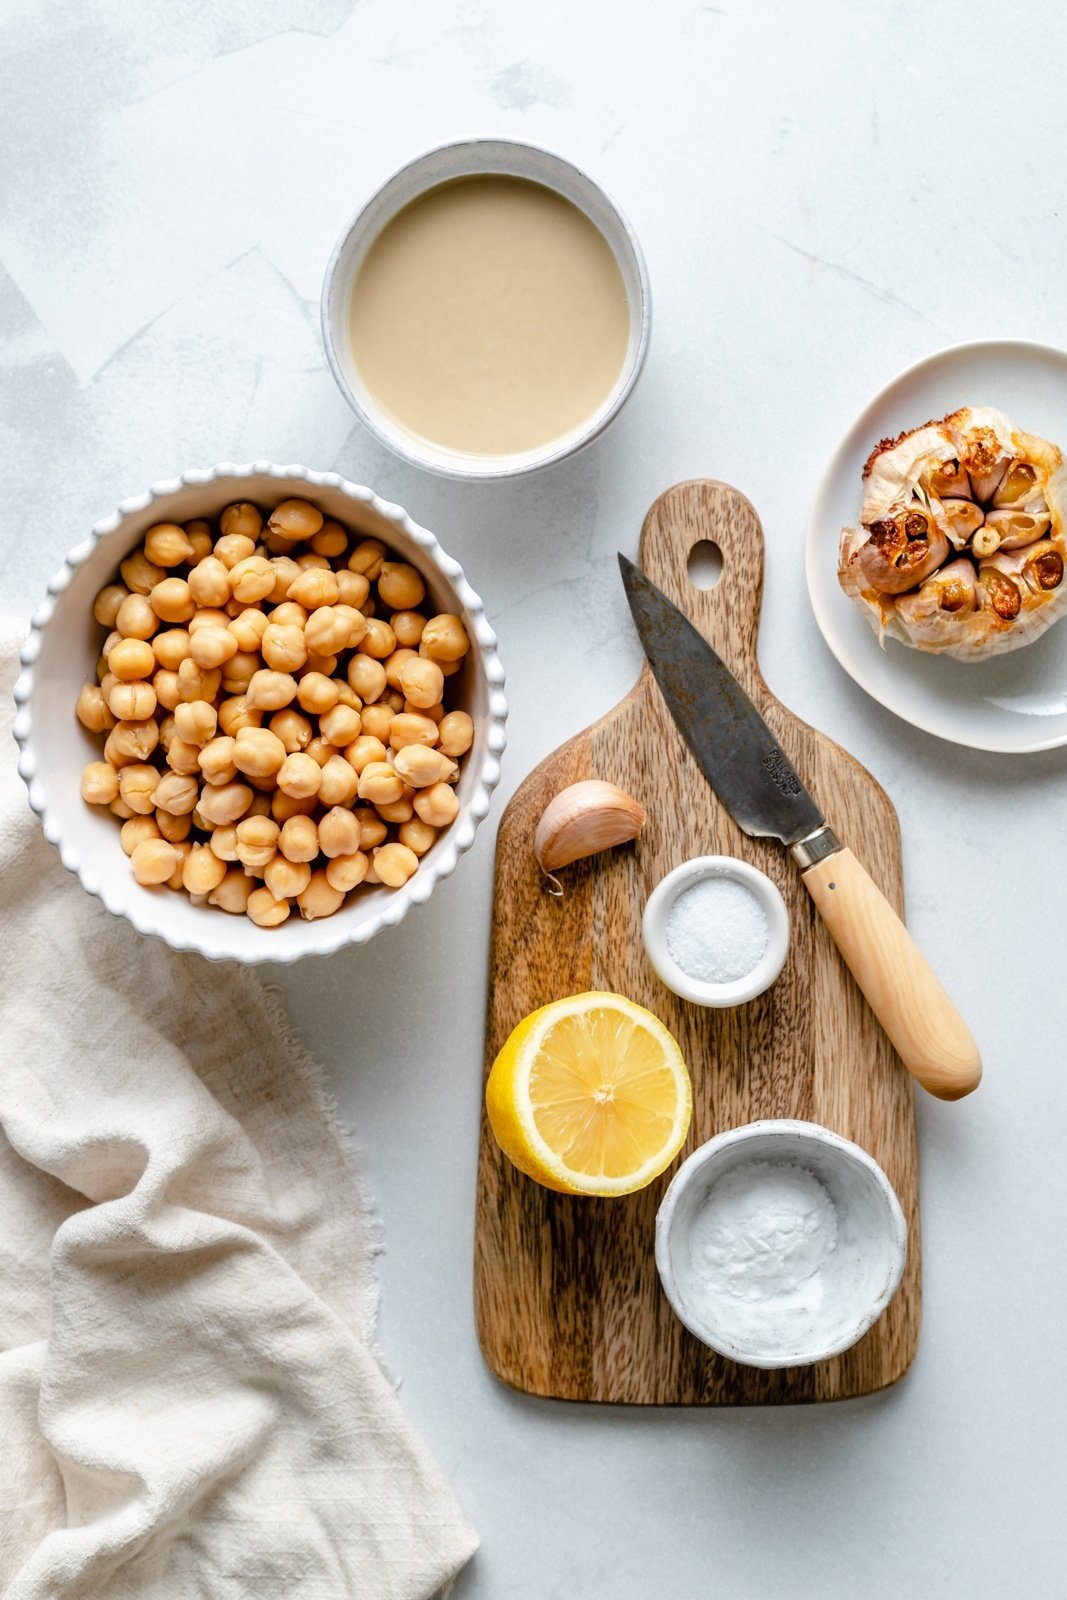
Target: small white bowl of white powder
{"x":780,"y":1243}
{"x":716,"y":931}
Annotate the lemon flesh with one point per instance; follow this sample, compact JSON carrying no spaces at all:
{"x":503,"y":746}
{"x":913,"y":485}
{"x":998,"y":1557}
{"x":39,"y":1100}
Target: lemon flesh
{"x":590,"y":1095}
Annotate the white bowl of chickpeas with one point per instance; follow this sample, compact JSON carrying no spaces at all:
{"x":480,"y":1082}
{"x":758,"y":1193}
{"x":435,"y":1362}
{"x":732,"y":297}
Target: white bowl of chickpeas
{"x":261,"y":712}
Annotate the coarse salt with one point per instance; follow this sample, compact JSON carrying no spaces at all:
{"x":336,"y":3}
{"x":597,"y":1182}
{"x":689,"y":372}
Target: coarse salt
{"x":717,"y":930}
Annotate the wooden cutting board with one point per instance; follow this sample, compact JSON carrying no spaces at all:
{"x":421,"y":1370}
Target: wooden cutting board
{"x":567,"y":1298}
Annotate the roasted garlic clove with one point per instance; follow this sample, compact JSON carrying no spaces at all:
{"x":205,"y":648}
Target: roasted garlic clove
{"x":1039,"y":567}
{"x":1019,"y":487}
{"x":1017,"y":528}
{"x":945,"y":480}
{"x":901,"y":551}
{"x":959,"y":520}
{"x":952,"y":591}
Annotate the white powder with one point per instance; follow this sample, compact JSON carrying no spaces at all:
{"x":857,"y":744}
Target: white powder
{"x":717,"y":930}
{"x":761,"y":1236}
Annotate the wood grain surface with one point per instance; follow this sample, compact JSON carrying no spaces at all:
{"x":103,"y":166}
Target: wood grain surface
{"x":567,"y":1298}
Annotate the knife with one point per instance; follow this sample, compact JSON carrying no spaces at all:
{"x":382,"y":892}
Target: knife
{"x":757,"y":783}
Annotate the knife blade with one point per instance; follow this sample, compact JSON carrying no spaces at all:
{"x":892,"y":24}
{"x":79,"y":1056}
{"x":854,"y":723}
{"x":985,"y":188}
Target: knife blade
{"x":759,"y":786}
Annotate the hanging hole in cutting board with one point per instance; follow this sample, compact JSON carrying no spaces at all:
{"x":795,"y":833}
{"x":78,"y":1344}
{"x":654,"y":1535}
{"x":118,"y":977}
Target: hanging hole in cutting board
{"x":705,"y":564}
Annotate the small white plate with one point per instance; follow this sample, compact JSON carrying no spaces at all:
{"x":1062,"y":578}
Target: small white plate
{"x":1011,"y":703}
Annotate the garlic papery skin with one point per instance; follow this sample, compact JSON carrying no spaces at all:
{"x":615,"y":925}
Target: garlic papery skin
{"x":990,"y":491}
{"x":581,"y":820}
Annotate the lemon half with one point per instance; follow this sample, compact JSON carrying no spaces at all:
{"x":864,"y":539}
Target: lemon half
{"x":590,"y":1095}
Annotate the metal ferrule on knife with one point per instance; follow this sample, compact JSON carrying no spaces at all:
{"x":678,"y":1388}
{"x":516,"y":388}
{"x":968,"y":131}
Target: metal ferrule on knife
{"x":808,"y":852}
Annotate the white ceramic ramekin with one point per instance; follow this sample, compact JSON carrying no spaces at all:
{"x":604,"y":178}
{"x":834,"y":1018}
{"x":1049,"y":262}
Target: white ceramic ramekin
{"x":60,"y":654}
{"x":654,"y":931}
{"x":857,"y":1280}
{"x":469,"y":158}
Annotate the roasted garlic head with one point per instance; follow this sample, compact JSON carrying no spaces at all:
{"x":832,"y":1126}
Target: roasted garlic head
{"x":962,"y":536}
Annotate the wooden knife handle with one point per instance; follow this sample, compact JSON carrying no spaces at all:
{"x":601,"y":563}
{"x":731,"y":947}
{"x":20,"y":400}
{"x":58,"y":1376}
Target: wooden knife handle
{"x":930,"y":1036}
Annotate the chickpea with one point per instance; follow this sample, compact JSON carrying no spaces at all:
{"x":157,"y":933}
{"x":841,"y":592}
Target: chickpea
{"x":176,"y":793}
{"x":139,"y":574}
{"x":378,"y":642}
{"x":448,"y":668}
{"x":420,"y":766}
{"x":380,"y":784}
{"x":284,"y":648}
{"x":216,"y":760}
{"x":286,"y":571}
{"x":417,"y":835}
{"x":394,"y":699}
{"x":195,"y":721}
{"x":293,"y":729}
{"x":444,"y":638}
{"x":132,"y":702}
{"x":239,"y":671}
{"x":183,"y":757}
{"x":136,"y":831}
{"x":120,"y":809}
{"x":234,"y":547}
{"x":222,"y":803}
{"x":183,"y":847}
{"x":437,"y":805}
{"x":338,"y":782}
{"x":209,"y":617}
{"x":308,"y":559}
{"x":261,"y":800}
{"x":210,"y":647}
{"x":136,"y":619}
{"x":400,"y":586}
{"x":168,"y":545}
{"x":257,"y":840}
{"x":331,"y":540}
{"x":319,"y":898}
{"x":357,"y":625}
{"x":252,"y":579}
{"x":401,"y":810}
{"x":367,"y":558}
{"x":338,"y":832}
{"x":422,"y":682}
{"x":327,"y":665}
{"x":154,"y":860}
{"x":340,"y":725}
{"x":347,"y":872}
{"x":248,"y":627}
{"x":198,"y":532}
{"x":198,"y":683}
{"x":173,"y":828}
{"x":258,"y":753}
{"x":137,"y":785}
{"x":366,"y":677}
{"x":407,"y":626}
{"x":209,"y":582}
{"x":372,"y":873}
{"x":269,"y":691}
{"x":167,"y":731}
{"x":352,"y":588}
{"x":377,"y":720}
{"x":289,"y":615}
{"x":435,"y":713}
{"x":315,"y":587}
{"x":395,"y":864}
{"x":171,"y":648}
{"x":327,"y":631}
{"x":131,"y":659}
{"x":107,"y":603}
{"x":299,"y":839}
{"x":362,"y":751}
{"x":372,"y":830}
{"x":172,"y":601}
{"x":202,"y":870}
{"x":295,"y":519}
{"x":100,"y":784}
{"x":410,"y":728}
{"x":346,"y":695}
{"x":113,"y":753}
{"x":394,"y":663}
{"x":223,"y":842}
{"x":134,"y":741}
{"x":242,"y":519}
{"x":320,"y":750}
{"x":283,"y":806}
{"x":286,"y":879}
{"x":168,"y":689}
{"x":233,"y":893}
{"x":92,"y":709}
{"x":317,"y":693}
{"x":299,"y":776}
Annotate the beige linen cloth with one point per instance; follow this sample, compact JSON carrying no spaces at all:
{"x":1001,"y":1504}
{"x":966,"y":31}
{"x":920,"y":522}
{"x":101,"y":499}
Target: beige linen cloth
{"x":189,"y":1402}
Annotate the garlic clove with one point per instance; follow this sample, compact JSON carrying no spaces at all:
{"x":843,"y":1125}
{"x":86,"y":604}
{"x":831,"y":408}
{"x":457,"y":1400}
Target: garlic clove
{"x":581,"y":820}
{"x":1019,"y":527}
{"x":959,"y":519}
{"x":902,"y":550}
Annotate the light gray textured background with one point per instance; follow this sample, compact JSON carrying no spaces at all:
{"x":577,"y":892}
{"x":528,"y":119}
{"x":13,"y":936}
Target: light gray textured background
{"x":825,"y":191}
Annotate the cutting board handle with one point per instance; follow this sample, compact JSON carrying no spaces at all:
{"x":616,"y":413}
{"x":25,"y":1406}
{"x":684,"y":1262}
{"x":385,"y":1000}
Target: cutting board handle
{"x":727,"y":614}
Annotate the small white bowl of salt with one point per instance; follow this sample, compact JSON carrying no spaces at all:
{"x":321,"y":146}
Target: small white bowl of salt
{"x":716,"y":931}
{"x":780,"y":1243}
